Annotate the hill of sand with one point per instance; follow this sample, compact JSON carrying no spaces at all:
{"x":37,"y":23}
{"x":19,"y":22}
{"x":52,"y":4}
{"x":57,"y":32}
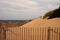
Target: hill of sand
{"x":55,"y":22}
{"x":19,"y":33}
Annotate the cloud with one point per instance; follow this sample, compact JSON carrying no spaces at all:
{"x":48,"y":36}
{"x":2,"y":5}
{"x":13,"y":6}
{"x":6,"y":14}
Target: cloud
{"x":47,"y":5}
{"x":25,"y":9}
{"x":15,"y":10}
{"x":27,"y":3}
{"x":49,"y":0}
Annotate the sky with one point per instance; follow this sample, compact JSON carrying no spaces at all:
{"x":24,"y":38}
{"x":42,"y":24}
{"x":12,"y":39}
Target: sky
{"x":26,"y":9}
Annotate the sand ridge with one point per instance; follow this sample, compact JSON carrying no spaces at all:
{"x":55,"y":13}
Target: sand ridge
{"x":18,"y":32}
{"x":39,"y":22}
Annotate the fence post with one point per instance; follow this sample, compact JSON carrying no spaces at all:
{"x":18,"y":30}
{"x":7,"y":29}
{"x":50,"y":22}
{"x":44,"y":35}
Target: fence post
{"x":48,"y":36}
{"x":2,"y":33}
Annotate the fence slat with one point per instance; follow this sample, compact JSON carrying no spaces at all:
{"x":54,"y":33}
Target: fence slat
{"x":33,"y":33}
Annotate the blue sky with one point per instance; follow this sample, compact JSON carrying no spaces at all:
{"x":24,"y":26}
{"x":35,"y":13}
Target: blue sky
{"x":26,"y":9}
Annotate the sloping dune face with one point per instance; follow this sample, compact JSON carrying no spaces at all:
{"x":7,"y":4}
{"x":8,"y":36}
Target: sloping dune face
{"x":54,"y":22}
{"x":34,"y":30}
{"x":36,"y":23}
{"x":43,"y":23}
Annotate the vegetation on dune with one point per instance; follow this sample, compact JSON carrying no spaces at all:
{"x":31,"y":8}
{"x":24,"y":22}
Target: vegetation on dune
{"x":52,"y":14}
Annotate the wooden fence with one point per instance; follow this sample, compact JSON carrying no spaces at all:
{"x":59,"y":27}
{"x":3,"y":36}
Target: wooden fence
{"x":31,"y":33}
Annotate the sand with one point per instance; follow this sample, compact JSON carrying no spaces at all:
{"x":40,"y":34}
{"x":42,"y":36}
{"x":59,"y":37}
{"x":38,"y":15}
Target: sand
{"x":38,"y":29}
{"x":32,"y":31}
{"x":55,"y":22}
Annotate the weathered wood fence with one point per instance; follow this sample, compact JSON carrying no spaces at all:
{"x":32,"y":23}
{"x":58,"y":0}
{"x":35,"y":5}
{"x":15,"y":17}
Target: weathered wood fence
{"x":30,"y":33}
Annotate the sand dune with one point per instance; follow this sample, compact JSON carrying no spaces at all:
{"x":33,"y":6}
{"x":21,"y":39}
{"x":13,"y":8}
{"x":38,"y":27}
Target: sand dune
{"x":43,"y":23}
{"x":19,"y":32}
